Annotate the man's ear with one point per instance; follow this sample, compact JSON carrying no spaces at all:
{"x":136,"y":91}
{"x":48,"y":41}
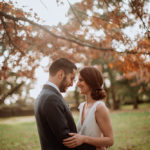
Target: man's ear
{"x":60,"y":74}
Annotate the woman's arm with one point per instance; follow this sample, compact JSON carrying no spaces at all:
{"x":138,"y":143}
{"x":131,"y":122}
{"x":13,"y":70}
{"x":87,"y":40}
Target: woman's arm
{"x":103,"y":121}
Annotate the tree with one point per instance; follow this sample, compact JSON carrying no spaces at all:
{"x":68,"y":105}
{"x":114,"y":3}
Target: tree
{"x":22,"y":45}
{"x":94,"y":28}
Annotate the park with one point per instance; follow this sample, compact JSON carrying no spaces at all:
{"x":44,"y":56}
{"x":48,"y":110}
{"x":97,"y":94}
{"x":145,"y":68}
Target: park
{"x":110,"y":35}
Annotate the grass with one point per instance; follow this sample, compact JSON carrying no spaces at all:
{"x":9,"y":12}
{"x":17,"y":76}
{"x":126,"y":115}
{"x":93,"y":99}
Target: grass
{"x":19,"y":136}
{"x":131,"y":131}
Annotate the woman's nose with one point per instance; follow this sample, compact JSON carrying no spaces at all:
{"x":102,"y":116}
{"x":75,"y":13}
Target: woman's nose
{"x":78,"y":83}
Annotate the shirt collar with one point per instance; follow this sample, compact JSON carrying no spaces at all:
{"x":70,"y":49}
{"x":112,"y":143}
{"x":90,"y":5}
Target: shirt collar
{"x":53,"y":85}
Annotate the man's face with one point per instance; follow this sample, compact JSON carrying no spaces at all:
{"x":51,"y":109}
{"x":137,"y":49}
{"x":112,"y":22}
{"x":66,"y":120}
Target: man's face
{"x":67,"y":81}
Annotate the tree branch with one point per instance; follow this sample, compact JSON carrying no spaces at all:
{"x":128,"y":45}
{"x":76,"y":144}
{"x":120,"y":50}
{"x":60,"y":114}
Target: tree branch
{"x":74,"y":13}
{"x":2,"y":99}
{"x":43,"y":4}
{"x":53,"y":34}
{"x":10,"y":40}
{"x":138,"y":14}
{"x":79,"y":41}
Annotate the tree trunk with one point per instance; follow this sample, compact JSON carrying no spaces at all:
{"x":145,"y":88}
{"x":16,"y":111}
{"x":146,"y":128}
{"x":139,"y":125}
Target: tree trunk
{"x":135,"y":103}
{"x":115,"y":102}
{"x":10,"y":92}
{"x":112,"y":90}
{"x":108,"y":98}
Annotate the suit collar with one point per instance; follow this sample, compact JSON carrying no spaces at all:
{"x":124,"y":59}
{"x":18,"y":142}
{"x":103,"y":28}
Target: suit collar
{"x":47,"y":86}
{"x":53,"y":85}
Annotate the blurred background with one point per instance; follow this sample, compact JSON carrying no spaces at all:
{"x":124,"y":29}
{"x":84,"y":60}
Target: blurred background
{"x":112,"y":35}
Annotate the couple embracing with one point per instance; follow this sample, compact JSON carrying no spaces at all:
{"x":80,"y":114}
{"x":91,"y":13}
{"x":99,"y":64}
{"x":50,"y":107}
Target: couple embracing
{"x":56,"y":126}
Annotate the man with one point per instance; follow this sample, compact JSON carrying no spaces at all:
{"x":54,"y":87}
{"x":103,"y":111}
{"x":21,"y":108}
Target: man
{"x":53,"y":117}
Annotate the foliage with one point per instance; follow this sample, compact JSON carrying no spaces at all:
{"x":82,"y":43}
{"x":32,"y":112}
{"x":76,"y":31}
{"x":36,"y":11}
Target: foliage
{"x":95,"y":29}
{"x":104,"y":24}
{"x":123,"y":88}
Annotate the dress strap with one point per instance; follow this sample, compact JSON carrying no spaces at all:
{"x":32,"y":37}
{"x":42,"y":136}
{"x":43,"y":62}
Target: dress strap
{"x":81,"y":106}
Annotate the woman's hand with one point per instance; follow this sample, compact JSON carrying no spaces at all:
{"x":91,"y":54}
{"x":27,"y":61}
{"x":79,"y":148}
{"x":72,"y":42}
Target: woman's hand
{"x":74,"y":140}
{"x":100,"y":148}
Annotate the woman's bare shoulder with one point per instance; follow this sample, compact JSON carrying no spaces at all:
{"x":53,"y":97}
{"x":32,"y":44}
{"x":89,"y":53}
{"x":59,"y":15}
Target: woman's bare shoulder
{"x":101,"y":108}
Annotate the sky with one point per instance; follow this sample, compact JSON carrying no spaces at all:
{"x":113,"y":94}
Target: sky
{"x":48,"y":10}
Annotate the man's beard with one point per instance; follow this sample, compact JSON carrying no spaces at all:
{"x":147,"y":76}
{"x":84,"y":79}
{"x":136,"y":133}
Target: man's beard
{"x":63,"y":85}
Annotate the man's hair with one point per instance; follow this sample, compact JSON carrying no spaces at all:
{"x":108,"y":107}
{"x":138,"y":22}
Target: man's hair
{"x":62,"y":64}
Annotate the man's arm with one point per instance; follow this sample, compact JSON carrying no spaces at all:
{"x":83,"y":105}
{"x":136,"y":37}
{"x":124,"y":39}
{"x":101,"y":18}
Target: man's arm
{"x":55,"y":115}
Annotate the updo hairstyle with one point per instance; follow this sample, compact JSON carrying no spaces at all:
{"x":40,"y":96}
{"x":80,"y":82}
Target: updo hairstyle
{"x":94,"y":80}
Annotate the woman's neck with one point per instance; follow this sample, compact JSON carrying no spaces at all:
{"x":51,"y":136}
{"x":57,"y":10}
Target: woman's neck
{"x":89,"y":99}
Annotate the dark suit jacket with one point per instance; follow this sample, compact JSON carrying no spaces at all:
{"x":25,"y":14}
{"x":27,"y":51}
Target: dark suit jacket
{"x":54,"y":120}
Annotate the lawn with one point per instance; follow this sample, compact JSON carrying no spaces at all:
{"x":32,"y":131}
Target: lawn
{"x":19,"y":135}
{"x":131,"y":131}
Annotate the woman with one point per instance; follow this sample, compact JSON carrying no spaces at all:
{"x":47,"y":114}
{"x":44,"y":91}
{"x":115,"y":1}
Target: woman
{"x":94,"y":125}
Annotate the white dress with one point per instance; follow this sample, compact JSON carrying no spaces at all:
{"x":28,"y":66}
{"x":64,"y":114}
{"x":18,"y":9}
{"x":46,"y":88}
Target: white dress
{"x":89,"y":126}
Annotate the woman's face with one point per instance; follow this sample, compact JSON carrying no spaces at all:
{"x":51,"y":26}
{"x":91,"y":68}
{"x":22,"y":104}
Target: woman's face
{"x":85,"y":89}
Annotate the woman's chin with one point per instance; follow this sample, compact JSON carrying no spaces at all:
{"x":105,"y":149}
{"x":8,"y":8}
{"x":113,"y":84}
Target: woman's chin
{"x":82,"y":92}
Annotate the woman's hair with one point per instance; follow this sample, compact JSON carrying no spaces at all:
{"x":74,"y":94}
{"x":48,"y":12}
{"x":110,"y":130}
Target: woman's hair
{"x":94,"y":80}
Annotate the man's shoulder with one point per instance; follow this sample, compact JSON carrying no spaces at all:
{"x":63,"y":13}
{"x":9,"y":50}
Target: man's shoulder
{"x":47,"y":94}
{"x":46,"y":99}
